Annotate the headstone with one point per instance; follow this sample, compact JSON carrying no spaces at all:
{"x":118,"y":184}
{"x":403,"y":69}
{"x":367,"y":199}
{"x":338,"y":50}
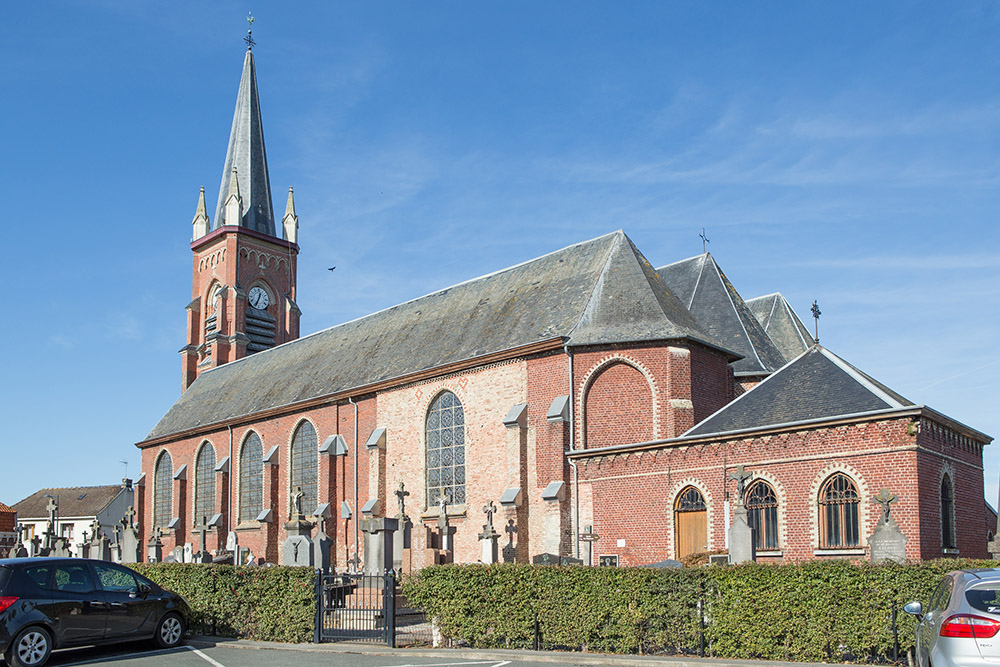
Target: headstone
{"x":232,"y":542}
{"x":446,"y":532}
{"x":178,"y":554}
{"x":84,"y":548}
{"x":130,"y":545}
{"x":20,"y":551}
{"x":154,"y":548}
{"x":36,"y":546}
{"x":321,"y":545}
{"x":887,"y":541}
{"x":188,"y":554}
{"x":545,"y":559}
{"x":488,"y":538}
{"x":297,"y":551}
{"x":379,"y":532}
{"x":203,"y":555}
{"x":742,"y":548}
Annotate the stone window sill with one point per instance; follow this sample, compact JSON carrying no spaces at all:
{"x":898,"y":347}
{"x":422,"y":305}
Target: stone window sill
{"x":454,"y":511}
{"x":247,"y":526}
{"x":838,"y":552}
{"x":770,"y":553}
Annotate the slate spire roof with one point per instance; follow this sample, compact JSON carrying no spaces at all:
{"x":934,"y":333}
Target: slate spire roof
{"x":713,"y":301}
{"x":601,"y":291}
{"x":247,"y":156}
{"x":817,"y":385}
{"x":781,"y":324}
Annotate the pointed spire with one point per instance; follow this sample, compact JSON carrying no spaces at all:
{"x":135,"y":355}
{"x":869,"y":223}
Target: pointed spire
{"x":200,"y":224}
{"x":233,"y":207}
{"x":290,"y":223}
{"x":247,"y":158}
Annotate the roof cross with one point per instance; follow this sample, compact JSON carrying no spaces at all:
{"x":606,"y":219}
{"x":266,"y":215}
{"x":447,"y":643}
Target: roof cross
{"x":704,"y":240}
{"x":249,"y":38}
{"x":815,"y":311}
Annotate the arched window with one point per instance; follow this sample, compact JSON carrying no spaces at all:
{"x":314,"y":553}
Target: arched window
{"x":163,"y":479}
{"x":251,"y":478}
{"x":762,"y":514}
{"x":947,"y":513}
{"x":838,"y":513}
{"x":445,"y":430}
{"x":305,"y":460}
{"x":204,"y":484}
{"x":690,"y":522}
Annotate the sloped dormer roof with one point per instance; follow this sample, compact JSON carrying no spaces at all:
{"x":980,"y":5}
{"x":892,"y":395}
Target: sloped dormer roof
{"x":781,"y":324}
{"x":707,"y":293}
{"x":816,"y":385}
{"x":601,"y":291}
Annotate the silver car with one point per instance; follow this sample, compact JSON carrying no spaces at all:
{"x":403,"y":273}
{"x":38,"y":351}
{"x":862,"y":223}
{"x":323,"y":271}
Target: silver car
{"x":959,"y":627}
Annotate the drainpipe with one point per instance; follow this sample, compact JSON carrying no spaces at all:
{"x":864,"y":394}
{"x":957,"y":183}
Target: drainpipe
{"x":357,"y":508}
{"x":572,"y":463}
{"x":231,"y":467}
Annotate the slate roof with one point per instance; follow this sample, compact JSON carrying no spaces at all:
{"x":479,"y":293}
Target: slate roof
{"x":247,"y":155}
{"x":73,"y":501}
{"x":596,"y":292}
{"x":781,"y":324}
{"x":816,"y":385}
{"x":717,"y":306}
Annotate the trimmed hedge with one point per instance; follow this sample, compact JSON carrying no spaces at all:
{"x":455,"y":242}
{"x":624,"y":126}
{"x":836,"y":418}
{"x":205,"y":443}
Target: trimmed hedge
{"x":811,"y":611}
{"x":264,"y":603}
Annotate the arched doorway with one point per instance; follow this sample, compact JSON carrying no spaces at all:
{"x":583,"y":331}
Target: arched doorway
{"x":690,"y":522}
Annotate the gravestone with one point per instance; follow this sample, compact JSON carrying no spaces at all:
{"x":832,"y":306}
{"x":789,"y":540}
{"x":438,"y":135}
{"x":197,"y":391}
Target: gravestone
{"x":742,"y":548}
{"x":446,"y":532}
{"x":321,"y":545}
{"x":203,"y":555}
{"x":488,"y":538}
{"x":178,"y":554}
{"x":130,"y":540}
{"x":378,"y":532}
{"x":545,"y":559}
{"x":232,"y":542}
{"x":404,"y":530}
{"x":297,"y":551}
{"x":154,"y":548}
{"x":84,"y":547}
{"x":188,"y":556}
{"x":887,"y":541}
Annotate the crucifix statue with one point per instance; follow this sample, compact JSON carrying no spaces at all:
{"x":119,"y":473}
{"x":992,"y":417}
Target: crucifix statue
{"x":401,"y":495}
{"x":741,"y":476}
{"x":885,"y":498}
{"x":297,"y":501}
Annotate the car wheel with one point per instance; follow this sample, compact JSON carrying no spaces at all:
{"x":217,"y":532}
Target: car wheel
{"x":31,"y":648}
{"x":169,"y":632}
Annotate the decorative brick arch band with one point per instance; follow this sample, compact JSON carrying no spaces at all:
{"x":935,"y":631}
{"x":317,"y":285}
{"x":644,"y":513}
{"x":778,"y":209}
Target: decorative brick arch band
{"x":597,"y":371}
{"x":675,"y":491}
{"x":865,"y":518}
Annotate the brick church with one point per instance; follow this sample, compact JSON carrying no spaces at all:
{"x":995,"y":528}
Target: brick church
{"x":585,"y":391}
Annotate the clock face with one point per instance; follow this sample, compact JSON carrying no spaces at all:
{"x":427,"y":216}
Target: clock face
{"x":259,"y":298}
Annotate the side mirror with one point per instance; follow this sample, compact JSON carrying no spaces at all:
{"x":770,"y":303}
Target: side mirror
{"x":914,"y":608}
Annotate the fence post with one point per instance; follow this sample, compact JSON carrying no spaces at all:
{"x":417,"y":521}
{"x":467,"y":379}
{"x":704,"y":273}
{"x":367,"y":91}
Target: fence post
{"x":538,"y":634}
{"x":701,"y":625}
{"x":895,"y":636}
{"x":390,"y":608}
{"x":318,"y":623}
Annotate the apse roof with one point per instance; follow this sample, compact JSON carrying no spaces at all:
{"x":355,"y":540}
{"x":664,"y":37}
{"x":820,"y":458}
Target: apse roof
{"x":601,"y":291}
{"x":816,"y":385}
{"x":247,"y":156}
{"x":707,"y":293}
{"x":781,"y":324}
{"x":74,"y":501}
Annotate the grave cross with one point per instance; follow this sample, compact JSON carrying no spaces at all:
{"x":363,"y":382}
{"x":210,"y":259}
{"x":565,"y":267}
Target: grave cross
{"x":741,"y":476}
{"x":202,"y":531}
{"x":885,"y":498}
{"x":401,"y":495}
{"x":129,"y":517}
{"x":489,"y":510}
{"x":95,"y":527}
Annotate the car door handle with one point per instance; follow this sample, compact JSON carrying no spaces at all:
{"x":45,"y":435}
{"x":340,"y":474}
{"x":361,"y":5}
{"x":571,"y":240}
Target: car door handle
{"x":117,"y":604}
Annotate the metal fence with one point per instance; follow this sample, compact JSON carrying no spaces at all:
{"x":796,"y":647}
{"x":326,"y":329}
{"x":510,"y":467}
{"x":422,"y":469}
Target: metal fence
{"x":367,"y":608}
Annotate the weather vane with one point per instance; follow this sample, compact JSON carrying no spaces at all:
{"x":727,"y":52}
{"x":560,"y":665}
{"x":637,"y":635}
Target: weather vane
{"x":816,"y":314}
{"x":704,"y":240}
{"x":249,"y":38}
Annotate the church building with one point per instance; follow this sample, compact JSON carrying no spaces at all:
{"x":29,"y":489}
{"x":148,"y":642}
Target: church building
{"x":584,"y":404}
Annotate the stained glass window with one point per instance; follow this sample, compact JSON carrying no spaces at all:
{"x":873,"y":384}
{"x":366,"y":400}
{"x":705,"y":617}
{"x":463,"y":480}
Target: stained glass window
{"x":305,"y":461}
{"x":204,"y":484}
{"x":762,"y":514}
{"x":947,"y":514}
{"x":163,"y":479}
{"x":251,"y":478}
{"x":445,"y":431}
{"x":690,"y":500}
{"x":838,"y":513}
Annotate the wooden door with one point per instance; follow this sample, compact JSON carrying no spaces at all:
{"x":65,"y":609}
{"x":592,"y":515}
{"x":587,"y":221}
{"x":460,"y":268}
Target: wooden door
{"x":690,"y":522}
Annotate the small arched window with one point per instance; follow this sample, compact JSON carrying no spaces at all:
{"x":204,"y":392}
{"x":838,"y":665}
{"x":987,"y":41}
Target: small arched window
{"x":947,"y":513}
{"x":445,"y":431}
{"x":204,"y":484}
{"x":762,"y":514}
{"x":838,"y":513}
{"x":163,"y":479}
{"x":251,"y":478}
{"x":305,"y":461}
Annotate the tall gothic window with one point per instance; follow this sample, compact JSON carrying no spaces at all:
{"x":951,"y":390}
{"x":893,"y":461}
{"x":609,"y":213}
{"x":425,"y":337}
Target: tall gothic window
{"x":305,"y":462}
{"x":445,"y":430}
{"x":204,"y":484}
{"x":163,"y":479}
{"x":838,"y":513}
{"x":947,"y":514}
{"x":251,"y":478}
{"x":762,"y":514}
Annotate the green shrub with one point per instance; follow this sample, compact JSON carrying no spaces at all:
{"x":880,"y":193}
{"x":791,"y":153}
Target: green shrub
{"x":811,"y":611}
{"x":264,"y":603}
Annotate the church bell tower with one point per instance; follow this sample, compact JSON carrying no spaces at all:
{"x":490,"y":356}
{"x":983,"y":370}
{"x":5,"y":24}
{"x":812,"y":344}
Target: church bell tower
{"x":243,"y":281}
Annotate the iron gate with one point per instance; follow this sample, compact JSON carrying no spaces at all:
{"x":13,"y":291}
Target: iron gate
{"x":366,"y":608}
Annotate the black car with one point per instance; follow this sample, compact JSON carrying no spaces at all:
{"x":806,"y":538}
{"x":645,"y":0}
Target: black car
{"x":49,"y":603}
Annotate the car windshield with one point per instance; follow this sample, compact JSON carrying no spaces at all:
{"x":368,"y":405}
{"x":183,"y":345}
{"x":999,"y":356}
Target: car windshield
{"x":4,"y":576}
{"x":985,"y":597}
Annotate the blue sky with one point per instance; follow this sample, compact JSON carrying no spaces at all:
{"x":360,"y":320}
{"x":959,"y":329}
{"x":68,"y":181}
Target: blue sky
{"x":846,"y":152}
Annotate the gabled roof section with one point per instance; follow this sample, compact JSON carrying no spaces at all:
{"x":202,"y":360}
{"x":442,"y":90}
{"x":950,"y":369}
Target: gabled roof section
{"x":713,"y":301}
{"x":246,"y":154}
{"x":816,"y":385}
{"x":630,"y":302}
{"x":599,"y":291}
{"x":74,"y":501}
{"x":781,"y":324}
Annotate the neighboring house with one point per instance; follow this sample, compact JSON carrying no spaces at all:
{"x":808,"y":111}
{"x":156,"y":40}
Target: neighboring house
{"x":78,"y":508}
{"x":8,"y":529}
{"x":583,"y":388}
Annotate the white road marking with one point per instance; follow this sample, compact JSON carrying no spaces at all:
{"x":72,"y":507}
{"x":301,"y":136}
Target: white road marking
{"x":116,"y":657}
{"x":214,"y":663}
